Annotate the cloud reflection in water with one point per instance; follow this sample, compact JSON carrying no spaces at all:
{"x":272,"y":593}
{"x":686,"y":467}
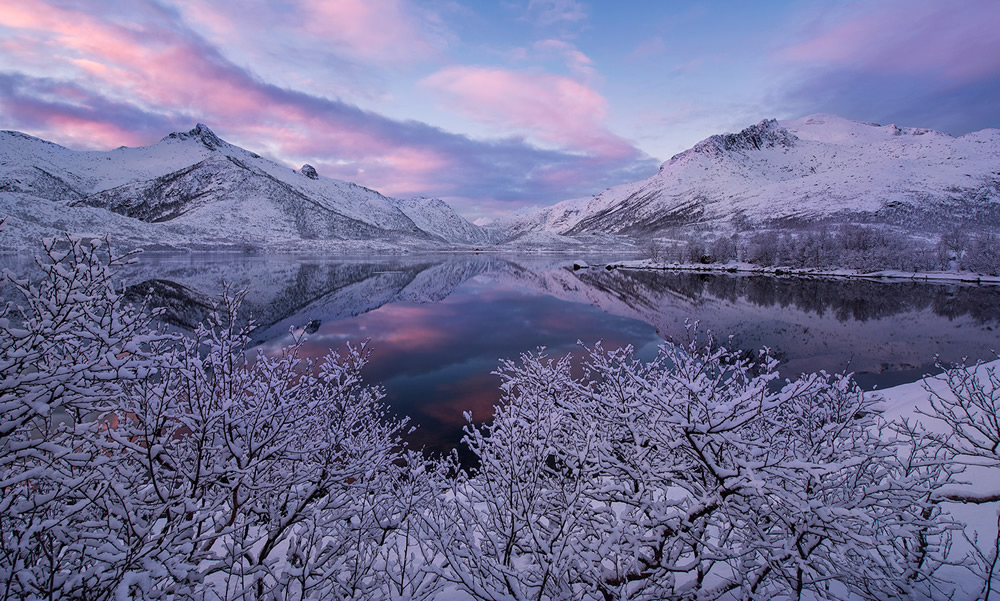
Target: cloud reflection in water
{"x":436,"y":360}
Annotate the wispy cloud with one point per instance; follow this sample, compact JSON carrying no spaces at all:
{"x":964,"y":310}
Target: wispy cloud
{"x":64,"y":112}
{"x":549,"y":12}
{"x":952,"y":42}
{"x":383,"y":32}
{"x":577,"y":62}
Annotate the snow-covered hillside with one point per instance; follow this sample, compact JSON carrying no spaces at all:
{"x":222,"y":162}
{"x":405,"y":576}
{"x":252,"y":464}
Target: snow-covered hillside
{"x":816,"y":167}
{"x":436,"y":217}
{"x":192,"y":189}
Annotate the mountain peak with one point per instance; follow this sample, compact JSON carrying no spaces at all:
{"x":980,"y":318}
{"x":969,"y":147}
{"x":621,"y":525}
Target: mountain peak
{"x":309,"y":171}
{"x":200,"y":133}
{"x":766,"y":134}
{"x":426,"y":201}
{"x":815,"y":169}
{"x":839,"y":130}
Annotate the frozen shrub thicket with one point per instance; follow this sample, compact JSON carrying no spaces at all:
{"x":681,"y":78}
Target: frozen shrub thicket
{"x":696,"y":476}
{"x":849,"y":246}
{"x":137,"y":464}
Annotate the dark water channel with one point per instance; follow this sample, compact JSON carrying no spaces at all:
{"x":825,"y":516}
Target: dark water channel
{"x":438,"y":326}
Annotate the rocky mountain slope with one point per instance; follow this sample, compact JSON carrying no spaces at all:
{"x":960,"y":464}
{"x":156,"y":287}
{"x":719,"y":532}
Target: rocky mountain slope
{"x":817,"y":168}
{"x":192,"y":189}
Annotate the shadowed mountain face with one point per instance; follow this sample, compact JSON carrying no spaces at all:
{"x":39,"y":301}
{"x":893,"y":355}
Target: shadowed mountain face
{"x":220,"y":180}
{"x":438,"y":325}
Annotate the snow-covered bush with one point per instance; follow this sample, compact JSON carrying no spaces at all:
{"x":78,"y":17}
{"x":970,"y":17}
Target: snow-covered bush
{"x":983,"y":254}
{"x":653,"y":249}
{"x":723,"y":249}
{"x":296,"y":478}
{"x":137,"y":464}
{"x":761,"y":249}
{"x":966,"y":410}
{"x":69,"y":526}
{"x":697,"y":475}
{"x":852,"y":246}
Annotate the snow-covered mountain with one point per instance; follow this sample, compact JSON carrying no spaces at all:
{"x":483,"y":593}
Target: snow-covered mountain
{"x":436,"y":217}
{"x":192,"y":189}
{"x":820,"y":167}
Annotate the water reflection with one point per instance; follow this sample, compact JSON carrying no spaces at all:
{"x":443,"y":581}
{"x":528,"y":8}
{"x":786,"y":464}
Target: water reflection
{"x":859,"y":300}
{"x":887,"y":332}
{"x":440,"y":325}
{"x":436,"y":359}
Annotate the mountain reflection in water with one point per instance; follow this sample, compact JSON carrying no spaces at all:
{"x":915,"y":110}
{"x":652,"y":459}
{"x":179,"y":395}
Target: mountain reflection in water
{"x":439,"y":325}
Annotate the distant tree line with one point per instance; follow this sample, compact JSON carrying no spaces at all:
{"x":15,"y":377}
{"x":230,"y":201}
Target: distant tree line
{"x":850,"y":246}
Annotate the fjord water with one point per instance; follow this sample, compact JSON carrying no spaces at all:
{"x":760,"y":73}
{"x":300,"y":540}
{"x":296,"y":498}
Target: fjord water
{"x":438,"y":326}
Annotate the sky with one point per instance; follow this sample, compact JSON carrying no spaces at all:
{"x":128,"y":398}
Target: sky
{"x":491,"y":106}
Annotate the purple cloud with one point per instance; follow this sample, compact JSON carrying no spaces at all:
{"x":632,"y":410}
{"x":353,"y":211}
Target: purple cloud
{"x":919,"y":63}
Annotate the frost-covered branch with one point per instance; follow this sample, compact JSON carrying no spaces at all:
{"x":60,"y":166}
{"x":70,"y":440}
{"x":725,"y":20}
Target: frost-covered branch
{"x":696,"y":475}
{"x":134,"y":463}
{"x":965,"y":405}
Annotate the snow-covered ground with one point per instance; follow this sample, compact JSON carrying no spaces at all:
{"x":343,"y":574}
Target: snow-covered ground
{"x":982,"y":521}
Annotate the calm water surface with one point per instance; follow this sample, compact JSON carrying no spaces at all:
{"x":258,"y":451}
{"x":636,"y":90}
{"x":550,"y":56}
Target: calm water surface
{"x":438,"y":326}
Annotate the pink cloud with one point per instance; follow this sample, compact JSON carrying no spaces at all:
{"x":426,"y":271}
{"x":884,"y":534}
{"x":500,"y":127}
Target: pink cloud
{"x":957,"y":42}
{"x":89,"y":133}
{"x":104,"y":80}
{"x":551,"y":108}
{"x":161,"y":68}
{"x":420,"y":170}
{"x":402,"y":172}
{"x":377,"y":30}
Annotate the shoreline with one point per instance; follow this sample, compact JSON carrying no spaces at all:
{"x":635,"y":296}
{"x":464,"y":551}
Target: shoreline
{"x":838,"y":273}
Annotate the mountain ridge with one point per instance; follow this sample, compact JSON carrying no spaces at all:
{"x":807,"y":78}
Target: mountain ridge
{"x":194,"y":190}
{"x":819,"y":167}
{"x":210,"y":193}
